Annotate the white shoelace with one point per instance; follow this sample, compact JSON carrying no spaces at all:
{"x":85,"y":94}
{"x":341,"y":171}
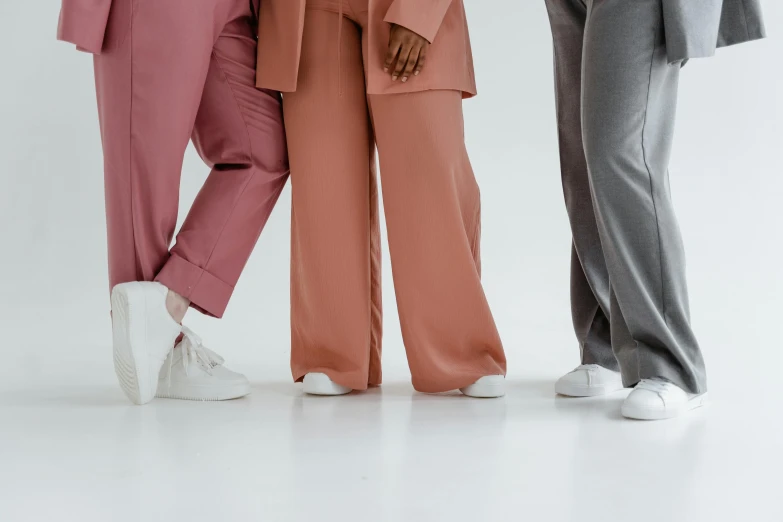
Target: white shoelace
{"x":194,"y":350}
{"x":654,"y":385}
{"x":588,"y":367}
{"x":591,"y":369}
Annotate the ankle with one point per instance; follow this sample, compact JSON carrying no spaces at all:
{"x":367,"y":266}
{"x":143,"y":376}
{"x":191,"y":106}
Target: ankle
{"x":176,"y":305}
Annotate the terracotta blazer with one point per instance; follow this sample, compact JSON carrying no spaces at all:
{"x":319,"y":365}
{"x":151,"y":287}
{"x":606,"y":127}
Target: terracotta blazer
{"x":442,"y":22}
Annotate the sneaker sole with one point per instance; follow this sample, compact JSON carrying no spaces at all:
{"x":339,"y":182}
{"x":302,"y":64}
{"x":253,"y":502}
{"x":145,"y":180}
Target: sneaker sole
{"x":202,"y":393}
{"x":576,"y":390}
{"x":321,"y":384}
{"x":130,"y":363}
{"x":670,"y":413}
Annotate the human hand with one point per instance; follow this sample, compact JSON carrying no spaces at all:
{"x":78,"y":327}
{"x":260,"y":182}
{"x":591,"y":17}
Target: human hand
{"x":406,"y":55}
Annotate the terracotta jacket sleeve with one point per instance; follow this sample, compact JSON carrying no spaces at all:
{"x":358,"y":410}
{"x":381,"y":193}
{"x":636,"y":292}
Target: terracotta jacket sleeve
{"x":423,"y":17}
{"x":83,"y":23}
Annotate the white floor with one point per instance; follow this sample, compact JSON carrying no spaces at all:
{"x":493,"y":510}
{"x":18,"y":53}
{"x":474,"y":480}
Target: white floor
{"x":81,"y":452}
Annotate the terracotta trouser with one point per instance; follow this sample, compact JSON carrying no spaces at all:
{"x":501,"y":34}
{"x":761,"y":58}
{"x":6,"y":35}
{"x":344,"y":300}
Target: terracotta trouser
{"x":432,"y":213}
{"x":171,"y":70}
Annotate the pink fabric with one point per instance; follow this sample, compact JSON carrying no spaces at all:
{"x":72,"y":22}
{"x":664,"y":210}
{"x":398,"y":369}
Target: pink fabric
{"x":168,"y":73}
{"x":424,"y":17}
{"x":443,"y":22}
{"x":83,"y":23}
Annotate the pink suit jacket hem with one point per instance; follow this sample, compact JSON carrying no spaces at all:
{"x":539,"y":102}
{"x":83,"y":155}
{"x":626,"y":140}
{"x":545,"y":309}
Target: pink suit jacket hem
{"x":83,"y":23}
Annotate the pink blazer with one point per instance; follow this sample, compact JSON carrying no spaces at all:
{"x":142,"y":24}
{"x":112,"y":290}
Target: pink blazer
{"x":83,"y":22}
{"x":442,"y":22}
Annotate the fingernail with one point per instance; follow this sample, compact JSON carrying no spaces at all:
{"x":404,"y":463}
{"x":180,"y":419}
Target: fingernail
{"x":405,"y":79}
{"x":394,"y":78}
{"x":416,"y":73}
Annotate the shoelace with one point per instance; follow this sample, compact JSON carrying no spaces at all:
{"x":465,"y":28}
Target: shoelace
{"x":194,"y":350}
{"x":590,"y":369}
{"x":653,"y":385}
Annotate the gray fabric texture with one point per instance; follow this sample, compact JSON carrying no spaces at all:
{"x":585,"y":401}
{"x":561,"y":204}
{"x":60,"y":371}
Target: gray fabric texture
{"x":696,"y":28}
{"x":616,"y":100}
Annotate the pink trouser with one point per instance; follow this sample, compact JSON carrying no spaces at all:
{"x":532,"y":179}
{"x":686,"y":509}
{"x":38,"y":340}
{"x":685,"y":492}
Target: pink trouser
{"x":432,"y":207}
{"x":174,"y":70}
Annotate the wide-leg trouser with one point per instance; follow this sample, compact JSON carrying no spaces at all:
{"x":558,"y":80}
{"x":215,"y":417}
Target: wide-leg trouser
{"x":432,"y":208}
{"x":616,"y":100}
{"x":171,"y":71}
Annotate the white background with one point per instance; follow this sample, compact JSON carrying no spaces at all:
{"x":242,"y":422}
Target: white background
{"x":726,"y":179}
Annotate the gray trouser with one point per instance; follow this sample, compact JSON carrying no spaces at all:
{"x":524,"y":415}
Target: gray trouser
{"x":616,"y":98}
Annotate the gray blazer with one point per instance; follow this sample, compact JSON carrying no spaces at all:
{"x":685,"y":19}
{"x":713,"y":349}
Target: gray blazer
{"x":695,"y":28}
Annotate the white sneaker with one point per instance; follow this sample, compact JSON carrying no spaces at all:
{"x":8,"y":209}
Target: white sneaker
{"x":656,"y":399}
{"x":195,"y":373}
{"x":144,"y":333}
{"x":321,"y":384}
{"x":488,"y":387}
{"x":589,"y":380}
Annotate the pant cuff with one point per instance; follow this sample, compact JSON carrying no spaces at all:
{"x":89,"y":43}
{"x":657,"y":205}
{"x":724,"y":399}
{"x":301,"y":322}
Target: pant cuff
{"x":206,"y":293}
{"x":650,"y":366}
{"x":450,"y":382}
{"x":354,"y":380}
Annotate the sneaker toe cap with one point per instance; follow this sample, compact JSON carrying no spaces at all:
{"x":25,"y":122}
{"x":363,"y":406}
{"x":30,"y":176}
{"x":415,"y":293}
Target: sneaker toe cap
{"x":225,"y":375}
{"x":646,"y":399}
{"x":577,"y":378}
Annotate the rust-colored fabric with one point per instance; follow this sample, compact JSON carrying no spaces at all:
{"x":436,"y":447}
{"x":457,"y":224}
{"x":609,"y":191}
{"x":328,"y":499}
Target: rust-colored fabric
{"x":443,"y":22}
{"x":432,"y":209}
